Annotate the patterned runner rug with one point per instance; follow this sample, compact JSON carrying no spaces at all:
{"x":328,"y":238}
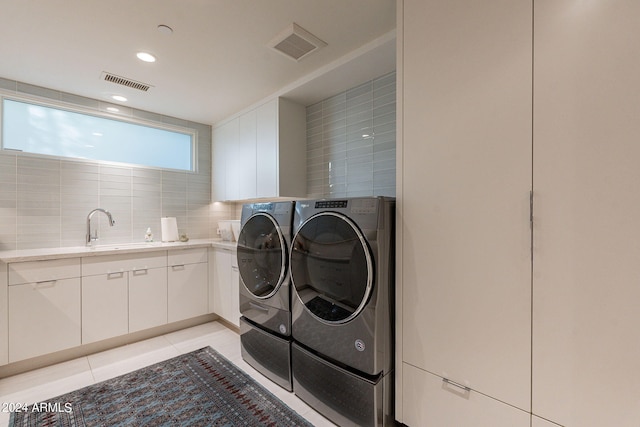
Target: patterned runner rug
{"x":201,"y":388}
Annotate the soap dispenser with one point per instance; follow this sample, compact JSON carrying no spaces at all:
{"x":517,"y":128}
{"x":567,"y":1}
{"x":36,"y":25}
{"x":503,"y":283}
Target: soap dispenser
{"x":148,"y":237}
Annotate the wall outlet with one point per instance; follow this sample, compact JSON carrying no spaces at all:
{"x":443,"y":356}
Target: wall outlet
{"x":218,"y":231}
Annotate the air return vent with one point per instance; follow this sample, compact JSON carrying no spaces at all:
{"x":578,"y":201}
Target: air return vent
{"x":295,"y":42}
{"x":125,"y":81}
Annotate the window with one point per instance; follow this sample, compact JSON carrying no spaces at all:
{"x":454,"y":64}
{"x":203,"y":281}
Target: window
{"x":40,"y":129}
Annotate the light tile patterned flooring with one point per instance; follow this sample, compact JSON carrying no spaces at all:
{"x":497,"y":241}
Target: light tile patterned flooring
{"x":51,"y":381}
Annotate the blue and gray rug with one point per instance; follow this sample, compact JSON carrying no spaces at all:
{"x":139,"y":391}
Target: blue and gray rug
{"x":201,"y":388}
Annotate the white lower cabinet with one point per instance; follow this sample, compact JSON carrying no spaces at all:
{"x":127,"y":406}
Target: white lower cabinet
{"x":225,"y":298}
{"x":234,"y":302}
{"x":4,"y":315}
{"x":44,"y":307}
{"x":429,"y":401}
{"x":105,"y":312}
{"x":187,"y":281}
{"x":44,"y":317}
{"x":58,"y":304}
{"x":123,"y":293}
{"x":147,"y":298}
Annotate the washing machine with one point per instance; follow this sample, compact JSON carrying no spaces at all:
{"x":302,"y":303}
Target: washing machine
{"x":265,"y":292}
{"x":342,"y":273}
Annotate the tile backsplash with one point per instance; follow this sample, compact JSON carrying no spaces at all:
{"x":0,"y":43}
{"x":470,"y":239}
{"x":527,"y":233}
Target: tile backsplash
{"x":44,"y":202}
{"x":351,"y":140}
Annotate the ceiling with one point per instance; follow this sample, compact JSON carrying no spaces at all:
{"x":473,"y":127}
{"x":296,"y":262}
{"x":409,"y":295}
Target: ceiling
{"x":215,"y":63}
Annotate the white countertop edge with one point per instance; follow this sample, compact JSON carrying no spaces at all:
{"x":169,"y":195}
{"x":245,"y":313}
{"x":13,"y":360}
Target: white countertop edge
{"x":44,"y":254}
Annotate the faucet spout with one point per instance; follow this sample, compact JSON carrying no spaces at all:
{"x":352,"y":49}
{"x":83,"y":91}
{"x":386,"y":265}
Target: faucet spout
{"x":92,"y":239}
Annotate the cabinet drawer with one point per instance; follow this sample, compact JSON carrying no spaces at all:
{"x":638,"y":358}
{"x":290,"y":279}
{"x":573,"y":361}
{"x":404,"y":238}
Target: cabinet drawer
{"x":187,"y":256}
{"x":43,"y":318}
{"x":41,"y":271}
{"x":92,"y":266}
{"x":429,"y":401}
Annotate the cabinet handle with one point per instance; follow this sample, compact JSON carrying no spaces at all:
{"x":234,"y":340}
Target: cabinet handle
{"x":234,"y":267}
{"x":42,"y":283}
{"x":455,"y":384}
{"x":136,"y":271}
{"x":116,"y":274}
{"x":179,"y":266}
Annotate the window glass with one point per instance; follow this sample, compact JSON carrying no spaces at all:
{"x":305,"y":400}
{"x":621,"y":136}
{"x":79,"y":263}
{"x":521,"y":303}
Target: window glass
{"x":261,"y":256}
{"x":40,"y":129}
{"x":329,"y":267}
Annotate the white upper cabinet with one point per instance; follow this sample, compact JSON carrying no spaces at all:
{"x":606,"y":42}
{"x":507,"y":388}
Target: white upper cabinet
{"x":267,"y":149}
{"x":586,"y":345}
{"x":466,"y":179}
{"x":246,"y":168}
{"x":262,"y":153}
{"x":225,"y":185}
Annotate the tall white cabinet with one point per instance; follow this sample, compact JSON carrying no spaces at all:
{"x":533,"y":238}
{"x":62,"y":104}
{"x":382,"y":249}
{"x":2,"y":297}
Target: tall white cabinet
{"x":465,"y":291}
{"x":498,"y":98}
{"x":586,"y":311}
{"x":261,"y":153}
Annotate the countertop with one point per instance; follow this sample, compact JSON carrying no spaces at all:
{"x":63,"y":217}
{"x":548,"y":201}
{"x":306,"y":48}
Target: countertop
{"x":43,"y":254}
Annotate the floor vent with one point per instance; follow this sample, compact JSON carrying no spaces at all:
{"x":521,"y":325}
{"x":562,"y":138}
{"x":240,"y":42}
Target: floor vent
{"x":296,"y":43}
{"x":125,"y":82}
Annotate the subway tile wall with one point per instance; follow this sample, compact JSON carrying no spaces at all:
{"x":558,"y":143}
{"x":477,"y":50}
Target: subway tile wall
{"x":44,"y":202}
{"x":351,"y":140}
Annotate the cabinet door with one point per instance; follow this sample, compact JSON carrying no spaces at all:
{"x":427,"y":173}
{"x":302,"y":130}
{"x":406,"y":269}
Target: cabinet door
{"x":105,"y":311}
{"x":234,"y":291}
{"x":187,"y":291}
{"x":43,"y":318}
{"x":233,"y":168}
{"x":267,"y":149}
{"x":225,"y":170}
{"x":466,"y":178}
{"x":587,"y":204}
{"x":4,"y":315}
{"x":430,"y":402}
{"x":222,"y":281}
{"x":219,"y":166}
{"x":147,"y":298}
{"x":246,"y":158}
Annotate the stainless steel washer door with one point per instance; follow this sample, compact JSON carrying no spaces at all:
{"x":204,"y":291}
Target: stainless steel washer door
{"x":262,"y":255}
{"x":331,"y":267}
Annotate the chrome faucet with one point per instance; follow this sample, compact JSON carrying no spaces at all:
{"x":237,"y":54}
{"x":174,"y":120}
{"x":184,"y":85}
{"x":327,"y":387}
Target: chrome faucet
{"x":92,"y":239}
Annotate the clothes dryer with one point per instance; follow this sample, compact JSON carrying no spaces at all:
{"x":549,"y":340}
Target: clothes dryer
{"x":265,"y":295}
{"x":342,"y":271}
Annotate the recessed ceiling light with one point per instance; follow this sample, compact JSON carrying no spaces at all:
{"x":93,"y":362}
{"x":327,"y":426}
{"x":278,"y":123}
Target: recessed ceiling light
{"x":113,"y":109}
{"x":119,"y":98}
{"x":146,"y":57}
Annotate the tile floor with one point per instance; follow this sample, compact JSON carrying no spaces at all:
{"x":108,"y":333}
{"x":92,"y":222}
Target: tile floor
{"x":51,"y":381}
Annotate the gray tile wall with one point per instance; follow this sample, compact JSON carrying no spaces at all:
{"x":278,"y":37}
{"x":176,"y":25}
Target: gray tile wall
{"x":44,"y":202}
{"x":351,"y":140}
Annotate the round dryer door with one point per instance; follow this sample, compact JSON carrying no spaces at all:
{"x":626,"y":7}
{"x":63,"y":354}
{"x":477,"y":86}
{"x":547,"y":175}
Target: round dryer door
{"x":331,"y":267}
{"x":262,"y":255}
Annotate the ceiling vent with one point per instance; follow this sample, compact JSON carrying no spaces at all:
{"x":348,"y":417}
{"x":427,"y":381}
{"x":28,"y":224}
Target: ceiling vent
{"x":295,"y":42}
{"x":125,"y":81}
